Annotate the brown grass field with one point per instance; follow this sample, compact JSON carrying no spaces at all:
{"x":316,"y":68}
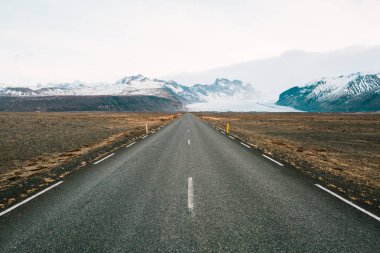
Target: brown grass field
{"x":34,"y":145}
{"x":340,"y":150}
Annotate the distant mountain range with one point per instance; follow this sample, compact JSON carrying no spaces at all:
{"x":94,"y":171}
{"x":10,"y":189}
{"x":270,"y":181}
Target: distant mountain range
{"x":131,"y":86}
{"x":352,"y":93}
{"x":272,"y":76}
{"x":359,"y":92}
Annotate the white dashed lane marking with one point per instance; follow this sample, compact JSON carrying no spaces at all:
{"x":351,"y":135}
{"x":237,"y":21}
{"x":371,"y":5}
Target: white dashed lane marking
{"x":348,"y":202}
{"x":267,"y":157}
{"x":131,"y":144}
{"x":30,"y":198}
{"x":101,"y":160}
{"x":190,"y":194}
{"x":242,"y":143}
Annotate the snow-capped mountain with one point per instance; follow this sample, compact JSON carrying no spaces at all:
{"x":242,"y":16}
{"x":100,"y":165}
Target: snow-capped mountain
{"x":224,"y":88}
{"x":134,"y":85}
{"x":355,"y":92}
{"x":140,"y":85}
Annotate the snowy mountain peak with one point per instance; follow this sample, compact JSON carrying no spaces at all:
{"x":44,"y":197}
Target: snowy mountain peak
{"x":222,"y":81}
{"x":223,"y":88}
{"x":140,"y":81}
{"x":334,"y":87}
{"x":140,"y":85}
{"x":226,"y":80}
{"x":343,"y":92}
{"x":128,"y":79}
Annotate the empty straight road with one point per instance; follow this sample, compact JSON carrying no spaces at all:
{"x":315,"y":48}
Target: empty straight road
{"x":187,"y":188}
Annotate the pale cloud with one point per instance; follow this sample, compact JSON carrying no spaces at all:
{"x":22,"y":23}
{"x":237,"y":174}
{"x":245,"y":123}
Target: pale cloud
{"x":51,"y":41}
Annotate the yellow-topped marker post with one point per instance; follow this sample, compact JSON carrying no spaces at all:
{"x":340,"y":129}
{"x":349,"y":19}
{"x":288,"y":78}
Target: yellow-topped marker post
{"x":228,"y":128}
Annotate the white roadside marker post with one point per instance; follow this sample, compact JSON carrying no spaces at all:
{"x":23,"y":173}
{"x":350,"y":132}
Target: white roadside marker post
{"x":146,"y":128}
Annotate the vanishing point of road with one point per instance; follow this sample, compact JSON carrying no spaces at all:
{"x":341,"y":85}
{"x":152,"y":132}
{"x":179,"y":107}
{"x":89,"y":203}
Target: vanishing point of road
{"x":187,"y":188}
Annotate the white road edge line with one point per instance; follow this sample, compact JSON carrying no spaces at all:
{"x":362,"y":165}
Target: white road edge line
{"x":144,"y":136}
{"x":30,"y":198}
{"x":190,"y":194}
{"x":222,"y":132}
{"x":349,"y":202}
{"x":267,"y":157}
{"x":130,"y":144}
{"x":231,"y":137}
{"x":242,"y":143}
{"x":101,"y":160}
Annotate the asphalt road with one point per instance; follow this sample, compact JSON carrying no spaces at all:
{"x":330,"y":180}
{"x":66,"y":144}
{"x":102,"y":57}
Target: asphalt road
{"x":187,"y":188}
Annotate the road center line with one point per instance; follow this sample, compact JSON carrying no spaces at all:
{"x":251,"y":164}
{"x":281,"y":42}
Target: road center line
{"x":231,"y":137}
{"x":188,"y":130}
{"x":242,"y":143}
{"x":190,"y":194}
{"x":188,"y":141}
{"x":349,"y":202}
{"x":101,"y":160}
{"x":267,"y":157}
{"x":130,"y":144}
{"x":30,"y":198}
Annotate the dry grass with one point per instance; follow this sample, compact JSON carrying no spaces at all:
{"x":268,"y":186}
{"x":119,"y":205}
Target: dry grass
{"x":329,"y":146}
{"x":32,"y":143}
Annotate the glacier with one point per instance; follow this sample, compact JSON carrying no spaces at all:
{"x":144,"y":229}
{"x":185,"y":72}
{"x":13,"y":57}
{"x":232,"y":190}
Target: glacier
{"x":240,"y":106}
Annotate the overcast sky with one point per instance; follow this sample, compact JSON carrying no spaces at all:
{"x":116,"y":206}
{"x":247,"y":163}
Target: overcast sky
{"x":88,"y":40}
